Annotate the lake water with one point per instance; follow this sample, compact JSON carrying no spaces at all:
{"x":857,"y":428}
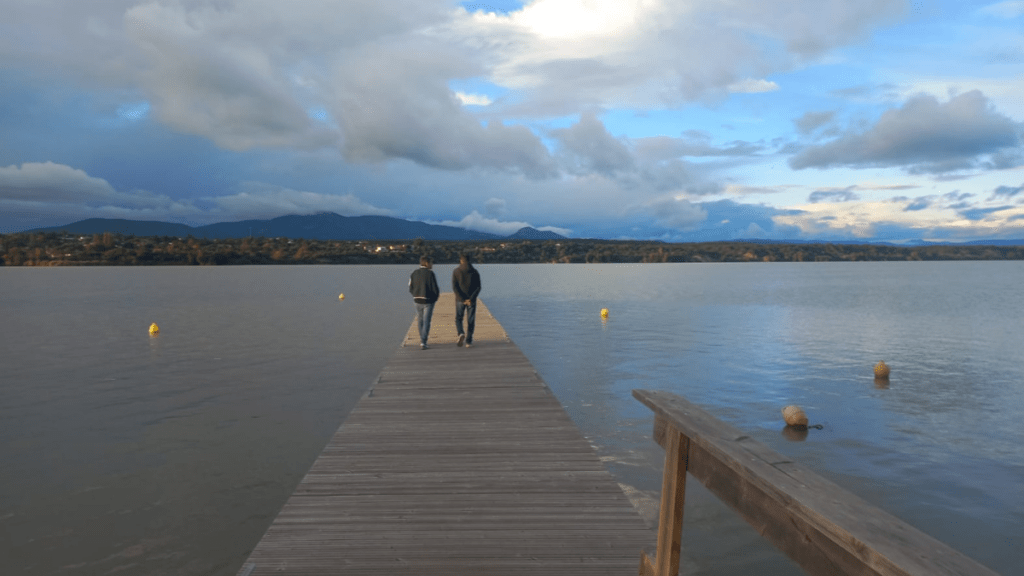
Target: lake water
{"x":126,"y":454}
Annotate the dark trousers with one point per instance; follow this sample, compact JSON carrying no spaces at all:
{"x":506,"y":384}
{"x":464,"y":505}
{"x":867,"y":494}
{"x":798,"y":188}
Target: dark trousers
{"x":423,"y":314}
{"x":470,"y":313}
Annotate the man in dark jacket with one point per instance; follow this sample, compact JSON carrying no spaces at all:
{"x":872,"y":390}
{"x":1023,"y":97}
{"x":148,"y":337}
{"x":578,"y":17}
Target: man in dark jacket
{"x":424,"y":290}
{"x":466,"y":285}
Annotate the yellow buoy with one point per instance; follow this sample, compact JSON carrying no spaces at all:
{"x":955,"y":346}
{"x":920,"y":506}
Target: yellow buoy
{"x":604,"y":312}
{"x":881,"y":371}
{"x":341,"y":296}
{"x":154,"y":329}
{"x":794,"y":416}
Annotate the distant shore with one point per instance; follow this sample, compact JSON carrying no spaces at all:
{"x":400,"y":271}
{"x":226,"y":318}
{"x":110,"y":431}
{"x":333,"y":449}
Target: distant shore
{"x":60,"y":249}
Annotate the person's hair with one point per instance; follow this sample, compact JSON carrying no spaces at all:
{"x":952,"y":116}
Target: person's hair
{"x":466,"y":258}
{"x":425,"y":261}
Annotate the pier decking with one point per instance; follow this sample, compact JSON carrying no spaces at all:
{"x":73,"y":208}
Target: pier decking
{"x":457,"y":461}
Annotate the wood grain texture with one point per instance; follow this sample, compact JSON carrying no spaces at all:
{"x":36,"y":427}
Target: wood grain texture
{"x":457,"y":461}
{"x":822,"y":527}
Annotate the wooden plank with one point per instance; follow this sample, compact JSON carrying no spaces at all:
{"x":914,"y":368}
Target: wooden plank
{"x":822,"y":527}
{"x":673,"y":495}
{"x":457,"y":461}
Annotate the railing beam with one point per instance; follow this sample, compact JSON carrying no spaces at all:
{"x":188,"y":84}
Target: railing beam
{"x":825,"y":529}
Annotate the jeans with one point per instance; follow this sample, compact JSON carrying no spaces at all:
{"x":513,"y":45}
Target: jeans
{"x":423,"y":314}
{"x":470,"y":313}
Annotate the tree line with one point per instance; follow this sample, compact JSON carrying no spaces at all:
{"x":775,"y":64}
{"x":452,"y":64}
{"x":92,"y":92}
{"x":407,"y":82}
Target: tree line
{"x":108,"y":249}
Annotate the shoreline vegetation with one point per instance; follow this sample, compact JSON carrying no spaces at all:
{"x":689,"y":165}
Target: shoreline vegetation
{"x":62,"y":249}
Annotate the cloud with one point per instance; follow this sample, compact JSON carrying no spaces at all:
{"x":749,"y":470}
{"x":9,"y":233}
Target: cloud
{"x":924,"y":136}
{"x":677,"y":213}
{"x":981,"y":213}
{"x":372,"y":79}
{"x":494,"y":207}
{"x":50,"y":182}
{"x":74,"y":195}
{"x":476,"y":221}
{"x":588,"y":147}
{"x":811,"y":121}
{"x":919,"y":204}
{"x":560,"y":56}
{"x":752,"y":86}
{"x":39,"y":194}
{"x":207,"y":73}
{"x":832,"y":196}
{"x":473,"y":99}
{"x":258,"y":200}
{"x":1006,"y":192}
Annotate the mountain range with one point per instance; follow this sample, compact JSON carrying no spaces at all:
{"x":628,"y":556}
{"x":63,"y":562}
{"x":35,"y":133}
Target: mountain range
{"x":331,"y":226}
{"x":321,"y":226}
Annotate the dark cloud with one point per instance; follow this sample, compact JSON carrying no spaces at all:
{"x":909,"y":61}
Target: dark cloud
{"x":832,"y":196}
{"x":677,"y":214}
{"x":587,"y":146}
{"x":918,"y":204}
{"x":1006,"y":192}
{"x":975,"y":214}
{"x":722,"y":220}
{"x":956,"y":196}
{"x":811,"y":121}
{"x":924,"y":136}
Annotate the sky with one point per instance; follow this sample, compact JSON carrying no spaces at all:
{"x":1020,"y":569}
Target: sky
{"x":674,"y":120}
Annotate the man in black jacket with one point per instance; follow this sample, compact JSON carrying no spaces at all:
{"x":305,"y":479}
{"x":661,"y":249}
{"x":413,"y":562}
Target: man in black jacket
{"x":466,"y":285}
{"x":424,"y":290}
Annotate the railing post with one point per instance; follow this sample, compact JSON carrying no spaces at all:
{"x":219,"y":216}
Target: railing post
{"x":673,"y":496}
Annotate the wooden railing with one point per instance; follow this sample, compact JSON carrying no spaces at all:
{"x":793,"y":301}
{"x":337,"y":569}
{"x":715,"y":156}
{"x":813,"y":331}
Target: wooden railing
{"x":820,"y":526}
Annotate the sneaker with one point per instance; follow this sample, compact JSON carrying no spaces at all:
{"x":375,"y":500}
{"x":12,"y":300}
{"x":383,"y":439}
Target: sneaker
{"x":424,"y":347}
{"x":469,"y":344}
{"x":462,"y":340}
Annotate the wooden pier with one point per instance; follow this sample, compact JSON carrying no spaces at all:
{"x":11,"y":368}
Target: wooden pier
{"x":458,"y":461}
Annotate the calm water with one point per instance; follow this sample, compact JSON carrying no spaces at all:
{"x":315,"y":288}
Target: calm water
{"x":127,"y":454}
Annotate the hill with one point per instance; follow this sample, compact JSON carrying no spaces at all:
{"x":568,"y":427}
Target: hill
{"x":528,"y":233}
{"x":322,"y":226}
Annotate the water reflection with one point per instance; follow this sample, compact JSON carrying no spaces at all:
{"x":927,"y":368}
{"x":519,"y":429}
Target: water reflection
{"x":795,"y":433}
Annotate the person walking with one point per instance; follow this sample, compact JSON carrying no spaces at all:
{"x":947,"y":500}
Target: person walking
{"x":466,"y":285}
{"x":424,"y":290}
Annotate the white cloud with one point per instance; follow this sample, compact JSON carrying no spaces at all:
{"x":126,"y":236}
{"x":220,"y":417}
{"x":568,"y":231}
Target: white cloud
{"x":677,"y":213}
{"x":58,"y":189}
{"x":246,"y":75}
{"x":476,"y":221}
{"x":926,"y":136}
{"x":561,"y":55}
{"x":752,"y":86}
{"x":912,"y":217}
{"x":50,"y":182}
{"x":473,"y":99}
{"x":39,"y":194}
{"x":261,"y":201}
